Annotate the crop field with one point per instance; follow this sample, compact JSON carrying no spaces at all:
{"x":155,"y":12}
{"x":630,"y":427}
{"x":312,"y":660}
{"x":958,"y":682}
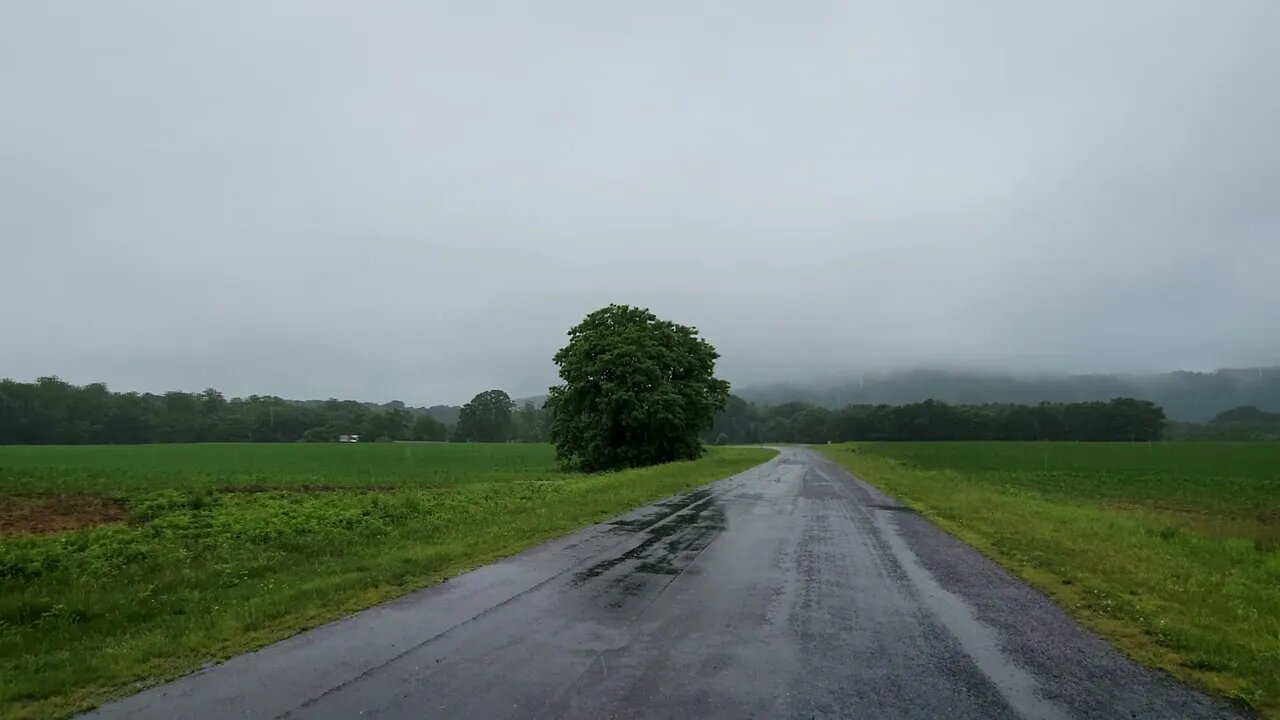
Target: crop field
{"x":127,"y":564}
{"x":1170,"y":550}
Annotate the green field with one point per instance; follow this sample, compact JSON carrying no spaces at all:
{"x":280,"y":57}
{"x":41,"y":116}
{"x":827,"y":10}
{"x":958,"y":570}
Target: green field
{"x":1170,"y":550}
{"x":130,"y":563}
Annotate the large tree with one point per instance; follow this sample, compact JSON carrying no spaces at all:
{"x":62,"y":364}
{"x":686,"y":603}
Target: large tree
{"x":636,"y":391}
{"x":487,"y":418}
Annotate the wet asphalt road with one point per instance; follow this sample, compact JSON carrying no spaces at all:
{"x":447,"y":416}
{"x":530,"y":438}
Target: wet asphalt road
{"x":788,"y":591}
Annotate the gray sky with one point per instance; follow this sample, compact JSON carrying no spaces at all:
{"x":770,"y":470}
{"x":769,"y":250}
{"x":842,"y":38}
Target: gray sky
{"x":415,"y":200}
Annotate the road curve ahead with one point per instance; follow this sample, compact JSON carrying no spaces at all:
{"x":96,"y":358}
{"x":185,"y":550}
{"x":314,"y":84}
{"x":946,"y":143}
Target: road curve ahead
{"x":788,"y":591}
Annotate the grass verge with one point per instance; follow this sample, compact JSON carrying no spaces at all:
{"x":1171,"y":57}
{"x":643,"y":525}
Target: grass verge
{"x":1168,"y":552}
{"x":216,"y":558}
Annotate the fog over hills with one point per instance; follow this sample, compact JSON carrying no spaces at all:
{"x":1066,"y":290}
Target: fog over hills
{"x":1189,"y":396}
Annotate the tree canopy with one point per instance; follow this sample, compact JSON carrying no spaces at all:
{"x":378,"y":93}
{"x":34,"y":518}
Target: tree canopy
{"x":426,"y":427}
{"x":636,"y":390}
{"x":531,"y":423}
{"x":52,"y":411}
{"x":1124,"y":419}
{"x":487,"y":418}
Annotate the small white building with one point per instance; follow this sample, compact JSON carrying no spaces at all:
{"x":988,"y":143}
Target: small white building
{"x":348,"y":438}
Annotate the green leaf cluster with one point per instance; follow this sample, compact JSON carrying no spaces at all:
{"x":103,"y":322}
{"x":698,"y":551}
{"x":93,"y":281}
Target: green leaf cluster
{"x":487,"y":418}
{"x":636,"y":391}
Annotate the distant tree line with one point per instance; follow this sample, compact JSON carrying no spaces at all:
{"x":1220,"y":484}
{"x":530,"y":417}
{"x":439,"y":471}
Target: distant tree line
{"x":1119,"y":419}
{"x":51,"y":411}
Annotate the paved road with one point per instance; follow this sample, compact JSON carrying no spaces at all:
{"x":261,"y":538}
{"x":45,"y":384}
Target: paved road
{"x":789,"y":591}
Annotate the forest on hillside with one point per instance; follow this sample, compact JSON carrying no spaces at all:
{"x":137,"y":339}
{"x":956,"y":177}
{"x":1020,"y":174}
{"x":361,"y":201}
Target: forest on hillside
{"x":1185,"y":396}
{"x":52,"y":411}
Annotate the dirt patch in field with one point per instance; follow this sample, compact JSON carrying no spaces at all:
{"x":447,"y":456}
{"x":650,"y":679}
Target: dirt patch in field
{"x":55,"y":512}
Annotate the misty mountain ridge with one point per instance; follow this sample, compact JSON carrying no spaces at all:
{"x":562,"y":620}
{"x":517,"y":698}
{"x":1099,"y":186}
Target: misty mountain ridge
{"x":1184,"y":395}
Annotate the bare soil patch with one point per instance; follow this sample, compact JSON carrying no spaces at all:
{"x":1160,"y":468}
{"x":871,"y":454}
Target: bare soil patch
{"x":44,"y":513}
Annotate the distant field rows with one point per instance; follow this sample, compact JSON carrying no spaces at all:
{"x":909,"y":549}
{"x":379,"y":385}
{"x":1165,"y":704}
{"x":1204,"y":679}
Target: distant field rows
{"x":1170,"y":550}
{"x":99,"y":468}
{"x":127,"y":563}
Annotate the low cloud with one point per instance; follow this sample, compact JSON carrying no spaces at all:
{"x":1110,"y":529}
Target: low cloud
{"x":416,"y":200}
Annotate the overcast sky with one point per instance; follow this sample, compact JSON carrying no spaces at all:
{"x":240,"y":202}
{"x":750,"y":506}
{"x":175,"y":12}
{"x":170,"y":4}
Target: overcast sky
{"x":415,"y":200}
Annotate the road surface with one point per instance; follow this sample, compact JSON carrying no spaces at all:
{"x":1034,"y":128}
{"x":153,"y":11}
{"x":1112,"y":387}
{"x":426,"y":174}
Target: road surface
{"x":788,"y":591}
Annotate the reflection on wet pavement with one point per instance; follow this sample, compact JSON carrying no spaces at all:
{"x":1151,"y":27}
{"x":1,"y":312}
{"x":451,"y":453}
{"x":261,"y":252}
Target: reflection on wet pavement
{"x":672,"y":537}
